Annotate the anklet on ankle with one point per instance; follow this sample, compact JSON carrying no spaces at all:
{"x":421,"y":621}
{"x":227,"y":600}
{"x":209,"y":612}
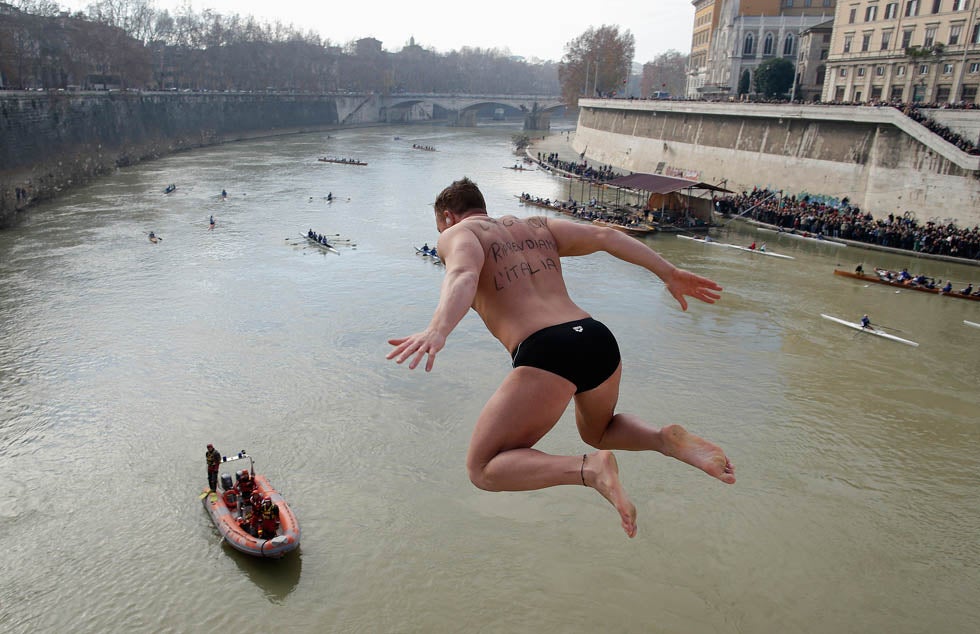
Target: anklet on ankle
{"x":582,"y":470}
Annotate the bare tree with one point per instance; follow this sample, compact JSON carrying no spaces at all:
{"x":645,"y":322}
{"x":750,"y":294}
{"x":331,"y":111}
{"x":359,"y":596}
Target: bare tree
{"x":596,"y":63}
{"x":666,"y":73}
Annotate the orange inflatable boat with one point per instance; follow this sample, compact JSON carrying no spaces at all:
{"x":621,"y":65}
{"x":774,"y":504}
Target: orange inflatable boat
{"x":232,"y":518}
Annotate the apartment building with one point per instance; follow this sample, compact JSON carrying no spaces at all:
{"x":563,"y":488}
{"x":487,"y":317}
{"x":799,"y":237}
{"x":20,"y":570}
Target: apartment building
{"x":732,"y":37}
{"x":904,"y":50}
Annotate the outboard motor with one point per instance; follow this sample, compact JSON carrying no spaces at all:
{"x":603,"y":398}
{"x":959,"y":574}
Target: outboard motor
{"x":226,"y":481}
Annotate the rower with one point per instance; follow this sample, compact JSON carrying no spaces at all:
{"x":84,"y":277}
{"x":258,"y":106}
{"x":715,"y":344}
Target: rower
{"x":948,"y":288}
{"x":752,"y":246}
{"x":866,"y":323}
{"x":762,"y":247}
{"x":967,"y":290}
{"x":859,"y":269}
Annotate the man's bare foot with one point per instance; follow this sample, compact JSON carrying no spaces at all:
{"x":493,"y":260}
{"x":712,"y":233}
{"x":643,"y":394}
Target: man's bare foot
{"x":601,"y":472}
{"x":697,"y":452}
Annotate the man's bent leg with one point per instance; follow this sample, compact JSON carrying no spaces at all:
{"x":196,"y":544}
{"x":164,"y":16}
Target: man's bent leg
{"x":522,"y":410}
{"x":601,"y":428}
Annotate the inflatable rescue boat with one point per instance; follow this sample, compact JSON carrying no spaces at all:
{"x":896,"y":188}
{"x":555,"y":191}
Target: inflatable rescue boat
{"x":232,"y":517}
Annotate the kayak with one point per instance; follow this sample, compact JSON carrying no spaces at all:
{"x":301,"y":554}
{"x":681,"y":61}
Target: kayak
{"x":226,"y":513}
{"x":879,"y":333}
{"x":971,"y":323}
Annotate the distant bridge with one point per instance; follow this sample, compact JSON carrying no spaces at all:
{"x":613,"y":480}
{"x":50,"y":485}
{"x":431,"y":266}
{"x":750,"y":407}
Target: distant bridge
{"x":462,"y":109}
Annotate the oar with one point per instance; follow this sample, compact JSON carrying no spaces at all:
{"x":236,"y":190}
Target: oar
{"x":888,"y":328}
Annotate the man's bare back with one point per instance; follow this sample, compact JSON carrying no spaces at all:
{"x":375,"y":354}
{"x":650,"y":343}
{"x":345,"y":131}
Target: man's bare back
{"x":521,"y":289}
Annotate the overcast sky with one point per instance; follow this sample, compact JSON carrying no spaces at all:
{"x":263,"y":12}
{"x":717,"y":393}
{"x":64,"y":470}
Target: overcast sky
{"x":535,"y":28}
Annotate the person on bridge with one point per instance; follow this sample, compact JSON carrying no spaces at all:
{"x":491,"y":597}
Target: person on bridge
{"x":507,"y":269}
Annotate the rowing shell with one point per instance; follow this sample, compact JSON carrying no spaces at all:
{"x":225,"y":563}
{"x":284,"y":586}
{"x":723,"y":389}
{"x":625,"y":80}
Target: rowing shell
{"x":811,"y":238}
{"x":761,"y":252}
{"x":320,"y":244}
{"x":859,"y":327}
{"x":971,"y":323}
{"x":739,"y":247}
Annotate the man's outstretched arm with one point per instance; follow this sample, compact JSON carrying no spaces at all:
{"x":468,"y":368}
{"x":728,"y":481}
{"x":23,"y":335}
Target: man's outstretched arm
{"x":581,"y":239}
{"x":463,"y":255}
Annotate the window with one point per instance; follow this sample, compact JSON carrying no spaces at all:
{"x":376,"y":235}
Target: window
{"x":788,"y":45}
{"x":886,"y":39}
{"x":860,"y":71}
{"x":828,"y":3}
{"x":875,"y":93}
{"x":897,"y":93}
{"x":824,"y":53}
{"x":942,"y":93}
{"x":839,"y":93}
{"x":911,"y":8}
{"x":843,"y":72}
{"x":930,"y":36}
{"x":852,"y":16}
{"x":748,"y":46}
{"x":936,"y":4}
{"x":900,"y":71}
{"x":954,"y":33}
{"x":865,"y":42}
{"x":826,"y":38}
{"x":871,"y":13}
{"x":975,"y":68}
{"x":767,"y":45}
{"x":947,"y":69}
{"x":788,"y":3}
{"x":848,"y":39}
{"x":959,"y":5}
{"x":891,"y":10}
{"x":879,"y":71}
{"x":969,"y":94}
{"x":906,"y":39}
{"x":923,"y":69}
{"x":975,"y":38}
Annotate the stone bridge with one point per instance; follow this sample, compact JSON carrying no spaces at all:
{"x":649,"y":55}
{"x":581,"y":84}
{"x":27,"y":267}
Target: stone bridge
{"x":462,"y":109}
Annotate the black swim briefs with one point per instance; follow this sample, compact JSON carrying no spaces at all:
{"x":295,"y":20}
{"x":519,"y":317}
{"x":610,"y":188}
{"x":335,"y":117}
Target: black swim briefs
{"x":583,"y":351}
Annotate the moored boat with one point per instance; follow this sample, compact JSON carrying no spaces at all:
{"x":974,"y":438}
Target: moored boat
{"x":233,"y":522}
{"x":636,"y":230}
{"x":879,"y":279}
{"x":870,"y":331}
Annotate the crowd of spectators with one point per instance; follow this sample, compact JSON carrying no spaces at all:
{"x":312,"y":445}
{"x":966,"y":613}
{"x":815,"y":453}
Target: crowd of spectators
{"x":833,"y":218}
{"x":957,"y":139}
{"x":582,"y":170}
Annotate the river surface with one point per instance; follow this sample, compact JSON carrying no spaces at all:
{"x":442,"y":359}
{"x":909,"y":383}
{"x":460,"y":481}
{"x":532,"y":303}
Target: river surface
{"x":858,"y":459}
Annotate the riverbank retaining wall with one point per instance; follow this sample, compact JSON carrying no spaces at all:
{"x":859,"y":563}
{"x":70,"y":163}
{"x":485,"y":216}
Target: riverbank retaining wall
{"x":877,"y":157}
{"x":52,"y":141}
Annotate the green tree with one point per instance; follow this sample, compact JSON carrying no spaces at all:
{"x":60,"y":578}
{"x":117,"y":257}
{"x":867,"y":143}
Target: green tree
{"x":743,"y":83}
{"x":598,"y":61}
{"x":774,"y":77}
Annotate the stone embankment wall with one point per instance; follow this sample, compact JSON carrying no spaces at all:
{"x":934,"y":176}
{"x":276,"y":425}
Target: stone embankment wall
{"x":877,"y":157}
{"x":52,"y":141}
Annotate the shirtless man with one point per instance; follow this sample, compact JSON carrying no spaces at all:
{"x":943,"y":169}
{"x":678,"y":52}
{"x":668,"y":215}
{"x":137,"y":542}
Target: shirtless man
{"x":508,"y":269}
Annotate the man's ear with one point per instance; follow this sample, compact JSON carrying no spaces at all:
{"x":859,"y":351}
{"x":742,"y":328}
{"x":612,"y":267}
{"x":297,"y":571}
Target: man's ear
{"x":449,"y":220}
